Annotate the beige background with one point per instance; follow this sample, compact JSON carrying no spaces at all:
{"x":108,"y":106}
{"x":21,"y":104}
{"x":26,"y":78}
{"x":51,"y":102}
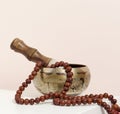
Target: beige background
{"x":77,"y":31}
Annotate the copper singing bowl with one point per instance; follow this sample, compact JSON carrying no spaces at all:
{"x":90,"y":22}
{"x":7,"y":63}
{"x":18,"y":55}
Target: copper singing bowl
{"x":53,"y":79}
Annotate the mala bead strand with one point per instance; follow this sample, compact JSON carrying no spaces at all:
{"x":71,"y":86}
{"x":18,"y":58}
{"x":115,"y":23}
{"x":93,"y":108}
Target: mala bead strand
{"x":61,"y":98}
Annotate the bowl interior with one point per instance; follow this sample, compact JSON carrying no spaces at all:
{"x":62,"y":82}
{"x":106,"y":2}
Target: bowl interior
{"x":77,"y":65}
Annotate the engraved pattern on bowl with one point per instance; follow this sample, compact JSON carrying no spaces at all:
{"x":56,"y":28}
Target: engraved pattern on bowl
{"x":53,"y":79}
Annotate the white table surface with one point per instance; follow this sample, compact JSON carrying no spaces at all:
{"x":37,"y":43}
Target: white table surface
{"x":8,"y":106}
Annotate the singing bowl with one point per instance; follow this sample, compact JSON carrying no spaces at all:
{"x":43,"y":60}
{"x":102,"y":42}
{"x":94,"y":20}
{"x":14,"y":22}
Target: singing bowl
{"x":53,"y":79}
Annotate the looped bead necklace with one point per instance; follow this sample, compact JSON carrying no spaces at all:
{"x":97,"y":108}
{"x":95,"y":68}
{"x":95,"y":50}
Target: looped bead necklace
{"x":61,"y":98}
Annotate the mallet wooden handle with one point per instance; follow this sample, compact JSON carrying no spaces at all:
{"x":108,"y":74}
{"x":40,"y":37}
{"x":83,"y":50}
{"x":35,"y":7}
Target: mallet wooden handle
{"x":30,"y":53}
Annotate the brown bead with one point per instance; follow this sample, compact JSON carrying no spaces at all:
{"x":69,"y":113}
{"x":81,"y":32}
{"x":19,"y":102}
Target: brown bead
{"x":24,"y":84}
{"x":68,"y":69}
{"x":94,"y":100}
{"x":70,"y":79}
{"x":37,"y":100}
{"x":99,"y":101}
{"x":61,"y":96}
{"x":114,"y":112}
{"x":39,"y":64}
{"x":21,"y":88}
{"x":19,"y":92}
{"x":113,"y":101}
{"x":100,"y":96}
{"x":78,"y":101}
{"x":74,"y":98}
{"x":103,"y":104}
{"x":65,"y":97}
{"x":67,"y":84}
{"x":117,"y":112}
{"x":17,"y":96}
{"x":79,"y":97}
{"x":34,"y":73}
{"x":21,"y":101}
{"x":26,"y":101}
{"x":109,"y":111}
{"x":116,"y":107}
{"x":17,"y":100}
{"x":69,"y":74}
{"x":51,"y":95}
{"x":61,"y":63}
{"x":31,"y":77}
{"x":65,"y":100}
{"x":56,"y":95}
{"x":66,"y":88}
{"x":83,"y":97}
{"x":89,"y":100}
{"x":110,"y":97}
{"x":68,"y":103}
{"x":107,"y":107}
{"x":96,"y":96}
{"x":91,"y":95}
{"x":47,"y":96}
{"x":105,"y":95}
{"x":57,"y":64}
{"x":36,"y":68}
{"x":31,"y":101}
{"x":62,"y":103}
{"x":42,"y":98}
{"x":73,"y":102}
{"x":70,"y":97}
{"x":66,"y":65}
{"x":84,"y":101}
{"x":28,"y":81}
{"x":86,"y":96}
{"x":56,"y":101}
{"x":63,"y":92}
